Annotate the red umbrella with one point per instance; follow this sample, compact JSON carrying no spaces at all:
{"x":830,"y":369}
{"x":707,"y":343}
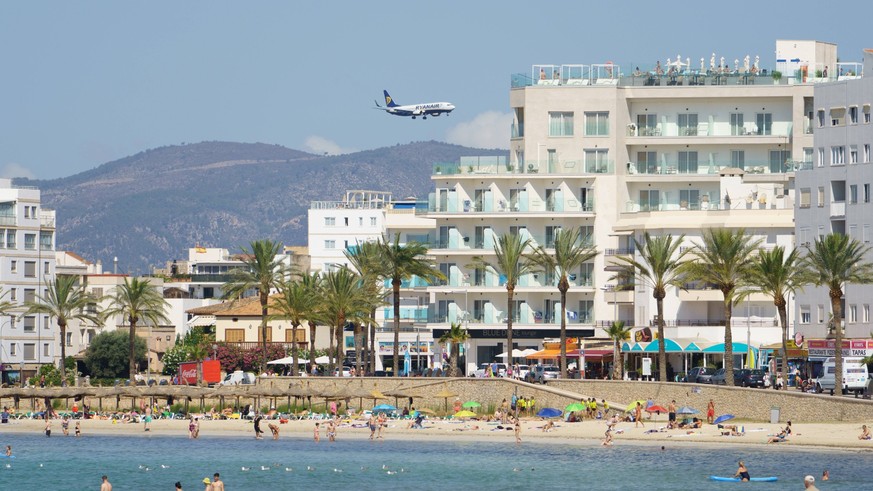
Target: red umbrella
{"x":656,"y":409}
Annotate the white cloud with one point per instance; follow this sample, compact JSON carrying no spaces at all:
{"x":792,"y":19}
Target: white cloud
{"x":12,"y":170}
{"x":487,"y":130}
{"x":319,"y":145}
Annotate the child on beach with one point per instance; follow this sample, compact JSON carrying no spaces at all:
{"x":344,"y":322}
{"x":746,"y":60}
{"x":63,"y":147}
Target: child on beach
{"x":317,"y":438}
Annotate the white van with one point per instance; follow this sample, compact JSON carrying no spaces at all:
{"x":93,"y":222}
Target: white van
{"x":238,"y":377}
{"x":854,"y":376}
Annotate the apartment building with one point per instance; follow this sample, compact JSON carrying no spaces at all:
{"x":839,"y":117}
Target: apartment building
{"x":27,"y":265}
{"x":835,"y":197}
{"x":620,"y":151}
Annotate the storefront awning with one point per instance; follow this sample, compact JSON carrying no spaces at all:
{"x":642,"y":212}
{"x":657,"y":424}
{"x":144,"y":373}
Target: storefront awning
{"x":738,"y":348}
{"x":670,"y":346}
{"x":592,"y":354}
{"x":546,"y":354}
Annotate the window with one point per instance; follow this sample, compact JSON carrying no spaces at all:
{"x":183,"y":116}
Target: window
{"x":687,"y":124}
{"x":29,"y":295}
{"x":30,"y":242}
{"x":346,"y":221}
{"x":551,"y":233}
{"x":586,"y":311}
{"x":26,"y":212}
{"x":738,"y":159}
{"x":289,"y":335}
{"x":596,"y":161}
{"x":866,"y":152}
{"x":372,"y":221}
{"x":46,"y":268}
{"x":805,"y":317}
{"x":779,"y":160}
{"x":330,"y":244}
{"x":804,"y":198}
{"x":865,"y":312}
{"x":866,"y":113}
{"x":807,"y":155}
{"x":737,"y":127}
{"x":13,"y":294}
{"x":821,"y":157}
{"x":765,"y":123}
{"x":648,"y":125}
{"x":45,"y":349}
{"x":329,"y":221}
{"x":853,"y":194}
{"x":853,"y":115}
{"x":30,"y":269}
{"x":867,"y":193}
{"x":865,"y":233}
{"x":647,"y":162}
{"x":820,"y":310}
{"x":13,"y":267}
{"x":821,"y":196}
{"x":269,"y":334}
{"x":838,"y":116}
{"x":649,"y":200}
{"x":853,"y":313}
{"x":821,"y":118}
{"x":235,"y":335}
{"x":804,"y":236}
{"x":69,"y":339}
{"x":360,"y":221}
{"x":560,"y":124}
{"x":853,"y":154}
{"x":29,"y":351}
{"x":688,"y":162}
{"x":821,"y":232}
{"x":13,"y":349}
{"x":29,"y":323}
{"x":838,"y":155}
{"x":689,"y":199}
{"x":597,"y":124}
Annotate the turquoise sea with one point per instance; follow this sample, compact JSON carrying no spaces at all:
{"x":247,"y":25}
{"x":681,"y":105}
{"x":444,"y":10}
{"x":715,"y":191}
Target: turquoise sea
{"x":156,"y":463}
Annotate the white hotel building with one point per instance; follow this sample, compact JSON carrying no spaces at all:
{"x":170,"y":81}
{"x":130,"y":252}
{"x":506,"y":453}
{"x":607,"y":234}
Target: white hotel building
{"x":621,"y":154}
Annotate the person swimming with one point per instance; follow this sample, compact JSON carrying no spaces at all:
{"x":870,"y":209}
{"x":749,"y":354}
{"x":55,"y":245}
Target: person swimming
{"x":742,"y":472}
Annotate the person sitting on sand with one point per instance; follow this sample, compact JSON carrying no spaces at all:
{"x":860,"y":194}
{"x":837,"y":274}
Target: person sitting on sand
{"x":778,"y":438}
{"x":729,"y":430}
{"x":865,"y":433}
{"x":742,"y":472}
{"x":548,"y":426}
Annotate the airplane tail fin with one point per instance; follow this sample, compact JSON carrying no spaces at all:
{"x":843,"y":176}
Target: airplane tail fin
{"x":388,"y":100}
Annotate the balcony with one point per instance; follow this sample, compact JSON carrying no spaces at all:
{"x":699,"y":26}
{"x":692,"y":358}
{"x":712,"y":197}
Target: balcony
{"x":619,"y":252}
{"x":250,"y":345}
{"x":534,"y":168}
{"x":211,"y":278}
{"x":8,"y":220}
{"x":491,"y":203}
{"x":715,"y":128}
{"x":735,"y":321}
{"x":673,"y":168}
{"x":838,"y":209}
{"x":407,"y":314}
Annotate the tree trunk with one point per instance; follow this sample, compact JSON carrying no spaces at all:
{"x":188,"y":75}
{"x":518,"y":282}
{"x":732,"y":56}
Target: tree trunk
{"x":358,"y":347}
{"x":340,"y":342}
{"x":454,"y":353}
{"x":616,"y":363}
{"x":662,"y":348}
{"x":728,"y":345}
{"x":63,"y":327}
{"x":295,"y":367}
{"x":783,"y":320}
{"x":199,"y":372}
{"x":311,"y":345}
{"x":510,"y":293}
{"x":395,"y":285}
{"x":331,"y":352}
{"x":373,"y":342}
{"x":837,"y":308}
{"x":132,"y":356}
{"x":264,"y":300}
{"x":563,"y":286}
{"x":365,"y":346}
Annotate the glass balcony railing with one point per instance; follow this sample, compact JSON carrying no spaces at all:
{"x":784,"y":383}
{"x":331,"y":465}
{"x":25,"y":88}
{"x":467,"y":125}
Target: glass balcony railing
{"x":780,"y":129}
{"x":672,"y":167}
{"x":562,"y":167}
{"x":525,"y":203}
{"x":407,"y":314}
{"x":517,"y":130}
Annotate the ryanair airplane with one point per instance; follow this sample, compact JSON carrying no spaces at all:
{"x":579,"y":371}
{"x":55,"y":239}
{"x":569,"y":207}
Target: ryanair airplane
{"x":414,"y":110}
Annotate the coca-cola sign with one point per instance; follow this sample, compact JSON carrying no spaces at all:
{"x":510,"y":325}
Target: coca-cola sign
{"x":188,"y":373}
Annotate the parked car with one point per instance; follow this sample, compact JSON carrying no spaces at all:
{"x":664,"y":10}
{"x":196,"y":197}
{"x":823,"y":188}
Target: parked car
{"x":750,"y":378}
{"x":700,"y":375}
{"x":346,"y":372}
{"x":855,"y":376}
{"x":540,"y":373}
{"x":523,"y":370}
{"x":483,"y":369}
{"x":238,"y":377}
{"x":718,"y":378}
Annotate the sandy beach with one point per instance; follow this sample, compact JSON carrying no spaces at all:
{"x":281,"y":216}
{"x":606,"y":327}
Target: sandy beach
{"x":589,"y":432}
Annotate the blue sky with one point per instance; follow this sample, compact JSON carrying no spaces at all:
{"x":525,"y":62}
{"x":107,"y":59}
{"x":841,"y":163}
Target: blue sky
{"x":83,"y":83}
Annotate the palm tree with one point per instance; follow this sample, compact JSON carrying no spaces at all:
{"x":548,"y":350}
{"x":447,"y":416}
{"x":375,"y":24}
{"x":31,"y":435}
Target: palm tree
{"x":312,"y":285}
{"x":571,"y":250}
{"x":659,"y":267}
{"x":402,"y":262}
{"x":724,"y":260}
{"x":617,"y":333}
{"x":5,"y":305}
{"x":512,"y":263}
{"x":834,"y":261}
{"x":344,"y":301}
{"x":262,"y":271}
{"x":293,"y":303}
{"x":457,"y":336}
{"x":198,"y":352}
{"x":137,"y":300}
{"x":366,"y":260}
{"x":777,"y":275}
{"x":64,"y":300}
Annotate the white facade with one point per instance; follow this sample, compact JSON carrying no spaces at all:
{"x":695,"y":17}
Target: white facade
{"x":619,"y":156}
{"x":27,"y":265}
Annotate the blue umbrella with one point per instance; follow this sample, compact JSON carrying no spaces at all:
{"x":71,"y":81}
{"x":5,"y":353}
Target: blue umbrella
{"x":549,"y":412}
{"x":723,"y":418}
{"x":384,"y":407}
{"x":687,"y":410}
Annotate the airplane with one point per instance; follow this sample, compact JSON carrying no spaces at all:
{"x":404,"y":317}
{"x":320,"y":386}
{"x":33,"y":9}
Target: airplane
{"x":424,"y":110}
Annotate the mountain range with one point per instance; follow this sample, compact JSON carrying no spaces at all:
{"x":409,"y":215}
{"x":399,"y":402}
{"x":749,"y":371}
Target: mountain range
{"x":151,"y":207}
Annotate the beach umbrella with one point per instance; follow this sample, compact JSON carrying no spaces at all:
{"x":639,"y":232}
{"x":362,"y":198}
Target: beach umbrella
{"x":465,"y":414}
{"x":425,"y":410}
{"x":445,"y":394}
{"x":384,"y":408}
{"x":470,"y":405}
{"x":687,"y":410}
{"x":576,"y":406}
{"x":633,"y":405}
{"x":723,"y":418}
{"x":656,"y":409}
{"x":549,"y":412}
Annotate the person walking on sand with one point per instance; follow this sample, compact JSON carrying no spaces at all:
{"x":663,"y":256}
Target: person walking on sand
{"x":317,"y":438}
{"x":638,"y":415}
{"x":710,"y":412}
{"x":381,"y":423}
{"x":371,"y":423}
{"x":106,"y":486}
{"x":517,"y":430}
